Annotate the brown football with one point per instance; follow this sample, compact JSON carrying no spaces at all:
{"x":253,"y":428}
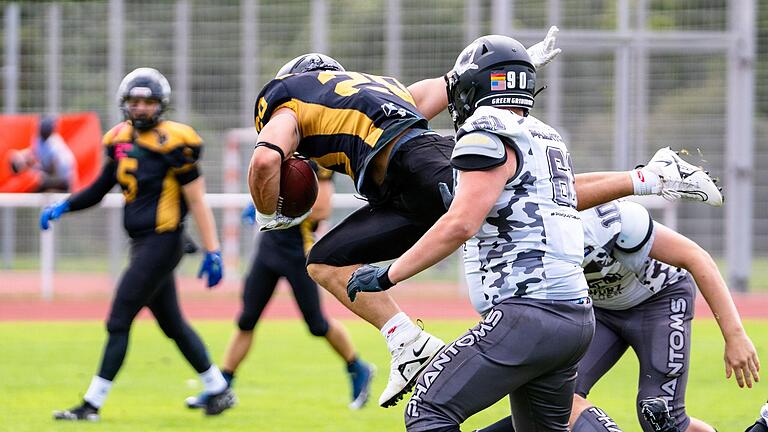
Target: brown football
{"x":298,"y":187}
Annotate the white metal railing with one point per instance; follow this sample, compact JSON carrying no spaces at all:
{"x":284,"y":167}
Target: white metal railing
{"x":231,"y":204}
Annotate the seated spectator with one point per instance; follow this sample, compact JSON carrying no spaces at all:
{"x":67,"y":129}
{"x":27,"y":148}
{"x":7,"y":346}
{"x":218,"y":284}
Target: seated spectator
{"x":50,"y":156}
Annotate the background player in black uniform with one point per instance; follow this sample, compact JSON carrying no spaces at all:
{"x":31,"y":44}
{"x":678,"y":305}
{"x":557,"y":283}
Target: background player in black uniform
{"x":282,"y":253}
{"x":155,"y":163}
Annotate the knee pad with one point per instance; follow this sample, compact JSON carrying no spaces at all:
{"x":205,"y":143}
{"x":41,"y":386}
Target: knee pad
{"x":246,"y":322}
{"x":115,"y":325}
{"x":319,"y":328}
{"x":595,"y":419}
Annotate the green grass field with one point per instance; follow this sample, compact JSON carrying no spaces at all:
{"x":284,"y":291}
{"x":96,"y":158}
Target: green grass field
{"x":446,"y":271}
{"x":290,"y":381}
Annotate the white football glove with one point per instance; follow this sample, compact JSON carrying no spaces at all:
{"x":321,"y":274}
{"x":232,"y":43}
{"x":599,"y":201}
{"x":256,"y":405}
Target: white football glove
{"x":545,"y":51}
{"x":275,"y":221}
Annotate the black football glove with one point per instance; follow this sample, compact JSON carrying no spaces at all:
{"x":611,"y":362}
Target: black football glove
{"x":368,"y":278}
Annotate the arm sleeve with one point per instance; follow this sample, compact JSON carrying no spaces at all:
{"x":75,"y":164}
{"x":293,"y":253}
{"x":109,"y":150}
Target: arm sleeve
{"x":93,"y":194}
{"x":635,"y":240}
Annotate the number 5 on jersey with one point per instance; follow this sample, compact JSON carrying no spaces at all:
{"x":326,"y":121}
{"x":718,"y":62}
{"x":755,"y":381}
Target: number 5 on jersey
{"x":126,"y":176}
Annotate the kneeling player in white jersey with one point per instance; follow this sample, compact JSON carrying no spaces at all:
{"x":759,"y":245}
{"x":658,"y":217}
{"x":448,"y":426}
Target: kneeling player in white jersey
{"x":642,"y":279}
{"x":515,"y":207}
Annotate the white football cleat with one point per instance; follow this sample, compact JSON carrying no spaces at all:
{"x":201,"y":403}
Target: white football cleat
{"x":681,"y":180}
{"x":408,"y":360}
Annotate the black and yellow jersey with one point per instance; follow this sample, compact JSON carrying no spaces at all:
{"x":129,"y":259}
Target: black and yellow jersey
{"x":296,"y":241}
{"x":344,"y":118}
{"x":151,"y":166}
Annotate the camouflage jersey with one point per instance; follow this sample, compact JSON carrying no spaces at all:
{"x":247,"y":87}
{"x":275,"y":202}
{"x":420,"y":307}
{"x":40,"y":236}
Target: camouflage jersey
{"x":621,"y":276}
{"x":531,"y":244}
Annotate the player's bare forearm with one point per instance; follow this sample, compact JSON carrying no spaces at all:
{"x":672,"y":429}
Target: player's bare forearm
{"x":264,"y":179}
{"x":677,"y":250}
{"x":740,"y":355}
{"x":281,"y":138}
{"x":474,"y":199}
{"x":430,"y":96}
{"x":445,"y":236}
{"x":194,"y":195}
{"x":595,"y":188}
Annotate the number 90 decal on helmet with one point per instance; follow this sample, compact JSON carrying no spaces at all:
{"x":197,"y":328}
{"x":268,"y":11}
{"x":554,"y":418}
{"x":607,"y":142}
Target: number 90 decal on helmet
{"x":492,"y":71}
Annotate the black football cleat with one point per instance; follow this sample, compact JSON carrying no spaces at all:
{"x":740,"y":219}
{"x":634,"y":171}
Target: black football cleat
{"x":82,"y":412}
{"x":199,"y":400}
{"x":220,"y":402}
{"x":656,"y":413}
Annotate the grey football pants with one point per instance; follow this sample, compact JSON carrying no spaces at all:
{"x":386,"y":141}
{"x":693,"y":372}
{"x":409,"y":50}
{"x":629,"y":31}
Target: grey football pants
{"x":659,"y":331}
{"x":524,"y":348}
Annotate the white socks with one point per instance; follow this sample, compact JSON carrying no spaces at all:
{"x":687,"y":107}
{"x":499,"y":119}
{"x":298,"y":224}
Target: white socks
{"x":645,"y":182}
{"x":213,"y":380}
{"x":97,"y":391}
{"x":398,"y":330}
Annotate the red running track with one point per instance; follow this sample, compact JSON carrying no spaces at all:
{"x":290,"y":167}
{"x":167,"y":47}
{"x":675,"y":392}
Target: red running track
{"x":87,"y":297}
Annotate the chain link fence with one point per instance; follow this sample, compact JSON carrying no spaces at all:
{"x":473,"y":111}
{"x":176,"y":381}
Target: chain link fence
{"x":634,"y":76}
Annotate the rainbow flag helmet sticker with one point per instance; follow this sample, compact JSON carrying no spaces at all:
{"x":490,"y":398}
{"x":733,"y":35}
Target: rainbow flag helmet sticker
{"x":498,"y":81}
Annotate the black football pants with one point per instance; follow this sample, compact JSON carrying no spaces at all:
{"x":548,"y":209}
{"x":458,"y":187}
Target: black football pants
{"x":149,"y":281}
{"x":268,"y":266}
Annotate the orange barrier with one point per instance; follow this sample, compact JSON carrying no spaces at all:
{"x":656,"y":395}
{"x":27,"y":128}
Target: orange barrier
{"x":81,"y":132}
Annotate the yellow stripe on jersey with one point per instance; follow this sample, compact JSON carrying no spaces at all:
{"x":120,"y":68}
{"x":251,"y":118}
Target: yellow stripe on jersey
{"x":316,"y":119}
{"x":169,"y":206}
{"x":165,"y":137}
{"x":307,"y":235}
{"x":323,"y":173}
{"x":336,"y":159}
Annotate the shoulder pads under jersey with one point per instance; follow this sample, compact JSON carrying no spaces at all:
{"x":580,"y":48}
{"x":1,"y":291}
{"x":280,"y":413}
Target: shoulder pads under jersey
{"x":636,"y":226}
{"x":477,"y":151}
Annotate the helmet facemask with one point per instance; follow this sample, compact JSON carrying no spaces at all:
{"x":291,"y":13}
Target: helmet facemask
{"x":144,"y":83}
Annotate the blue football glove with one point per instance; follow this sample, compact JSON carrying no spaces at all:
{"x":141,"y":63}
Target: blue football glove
{"x":368,"y":278}
{"x":248,"y":216}
{"x":53,"y":212}
{"x":212,"y":265}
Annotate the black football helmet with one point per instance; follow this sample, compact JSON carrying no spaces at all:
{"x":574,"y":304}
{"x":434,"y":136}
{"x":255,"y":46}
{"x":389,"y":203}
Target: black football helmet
{"x":308,"y":63}
{"x":144,"y":83}
{"x":492,"y":71}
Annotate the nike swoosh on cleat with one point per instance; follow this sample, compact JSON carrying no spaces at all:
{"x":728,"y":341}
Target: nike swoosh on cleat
{"x":420,"y":350}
